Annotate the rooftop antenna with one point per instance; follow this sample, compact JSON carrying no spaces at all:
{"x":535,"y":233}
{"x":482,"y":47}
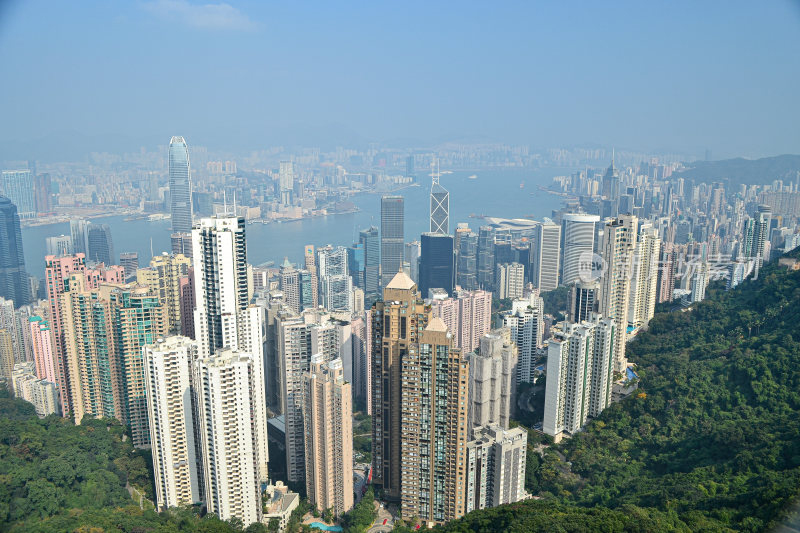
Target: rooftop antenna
{"x":435,"y":173}
{"x":612,"y":156}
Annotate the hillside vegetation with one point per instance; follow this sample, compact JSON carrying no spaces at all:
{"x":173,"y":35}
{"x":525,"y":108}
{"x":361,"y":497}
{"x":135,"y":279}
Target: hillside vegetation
{"x":711,"y":442}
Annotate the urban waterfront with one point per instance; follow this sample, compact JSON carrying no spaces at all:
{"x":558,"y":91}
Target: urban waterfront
{"x":491,"y":192}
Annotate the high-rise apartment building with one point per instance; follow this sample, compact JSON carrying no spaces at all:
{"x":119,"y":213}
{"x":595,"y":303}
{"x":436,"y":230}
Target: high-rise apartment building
{"x":173,"y":436}
{"x":666,"y":272}
{"x":617,"y":250}
{"x":163,"y":276}
{"x":180,"y":186}
{"x":220,"y":281}
{"x":181,"y":243}
{"x":233,"y":433}
{"x":579,"y":374}
{"x":510,"y":280}
{"x":437,"y":263}
{"x":392,"y":237}
{"x":433,"y":427}
{"x":492,"y":381}
{"x":14,"y":284}
{"x":6,"y":354}
{"x":328,"y":419}
{"x":27,"y":386}
{"x":496,"y":461}
{"x":42,"y":343}
{"x":298,"y":339}
{"x":525,"y":320}
{"x":18,"y":188}
{"x":582,"y":302}
{"x":467,"y":315}
{"x":311,"y":266}
{"x":644,"y":278}
{"x":396,"y":323}
{"x":578,"y":232}
{"x":138,"y":319}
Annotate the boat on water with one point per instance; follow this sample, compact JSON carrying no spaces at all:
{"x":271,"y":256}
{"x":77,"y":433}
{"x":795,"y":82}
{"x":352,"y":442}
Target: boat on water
{"x":473,"y":177}
{"x":521,"y":185}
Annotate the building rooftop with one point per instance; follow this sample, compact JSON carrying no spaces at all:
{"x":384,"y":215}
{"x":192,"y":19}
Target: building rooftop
{"x":436,"y":324}
{"x":401,"y":281}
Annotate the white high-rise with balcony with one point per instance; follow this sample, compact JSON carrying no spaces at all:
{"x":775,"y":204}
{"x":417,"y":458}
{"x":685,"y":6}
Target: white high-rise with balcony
{"x":168,"y":380}
{"x":227,"y":384}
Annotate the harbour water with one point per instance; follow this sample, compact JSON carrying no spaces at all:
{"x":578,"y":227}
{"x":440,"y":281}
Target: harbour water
{"x":499,"y":193}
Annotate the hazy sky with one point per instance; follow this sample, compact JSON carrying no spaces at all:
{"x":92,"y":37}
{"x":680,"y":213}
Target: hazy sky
{"x":242,"y":75}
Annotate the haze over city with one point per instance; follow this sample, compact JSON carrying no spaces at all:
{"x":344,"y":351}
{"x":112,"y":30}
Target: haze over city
{"x":514,"y":267}
{"x":680,"y":77}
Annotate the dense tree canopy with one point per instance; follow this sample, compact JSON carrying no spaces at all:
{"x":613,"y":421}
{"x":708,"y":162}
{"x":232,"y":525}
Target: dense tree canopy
{"x":710,"y":442}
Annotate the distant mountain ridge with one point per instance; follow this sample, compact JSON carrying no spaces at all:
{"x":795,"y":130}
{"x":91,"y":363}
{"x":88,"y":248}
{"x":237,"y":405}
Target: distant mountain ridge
{"x":749,"y":171}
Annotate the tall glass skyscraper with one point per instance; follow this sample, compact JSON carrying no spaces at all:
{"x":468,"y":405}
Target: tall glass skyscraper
{"x":440,"y":207}
{"x":18,"y":187}
{"x":392,"y":236}
{"x":180,"y":186}
{"x":370,"y":239}
{"x":14,"y":284}
{"x":437,"y":263}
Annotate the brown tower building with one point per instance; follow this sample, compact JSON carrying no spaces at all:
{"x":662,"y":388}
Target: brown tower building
{"x":396,"y":323}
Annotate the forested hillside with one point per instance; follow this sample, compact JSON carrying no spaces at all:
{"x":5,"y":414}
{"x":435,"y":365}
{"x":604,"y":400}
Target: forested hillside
{"x":711,"y":442}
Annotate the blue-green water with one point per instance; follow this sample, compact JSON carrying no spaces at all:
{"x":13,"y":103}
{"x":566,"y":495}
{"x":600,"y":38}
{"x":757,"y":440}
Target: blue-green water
{"x":320,"y":525}
{"x":493,"y":193}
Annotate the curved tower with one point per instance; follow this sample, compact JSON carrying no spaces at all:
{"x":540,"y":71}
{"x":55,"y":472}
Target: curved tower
{"x":180,"y":186}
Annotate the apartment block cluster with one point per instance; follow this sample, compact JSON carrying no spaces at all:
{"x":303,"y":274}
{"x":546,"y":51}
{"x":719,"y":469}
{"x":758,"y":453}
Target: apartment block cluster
{"x":210,"y":361}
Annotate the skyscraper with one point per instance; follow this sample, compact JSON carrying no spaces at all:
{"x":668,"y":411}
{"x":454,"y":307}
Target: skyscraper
{"x":163,"y":276}
{"x":138,"y":319}
{"x":437,"y":263}
{"x":433,"y":426}
{"x":411,"y":255}
{"x":582,"y":302}
{"x":370,"y":240}
{"x":492,"y":381}
{"x":396,"y":323}
{"x":220,"y":281}
{"x":42,"y":343}
{"x":286,"y":182}
{"x":440,"y":206}
{"x":180,"y":186}
{"x":526,"y":322}
{"x":485,"y":259}
{"x":467,"y":268}
{"x":101,"y":246}
{"x":579,"y":374}
{"x":328,"y":419}
{"x":59,"y":245}
{"x":176,"y":458}
{"x":617,"y":251}
{"x":644,"y":279}
{"x":467,"y":315}
{"x":231,"y":429}
{"x":18,"y":188}
{"x":392,"y":237}
{"x":496,"y":460}
{"x":545,"y":255}
{"x":14,"y":284}
{"x":79,"y":230}
{"x":130,"y":262}
{"x":311,"y":266}
{"x":510,"y":280}
{"x":578,"y":235}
